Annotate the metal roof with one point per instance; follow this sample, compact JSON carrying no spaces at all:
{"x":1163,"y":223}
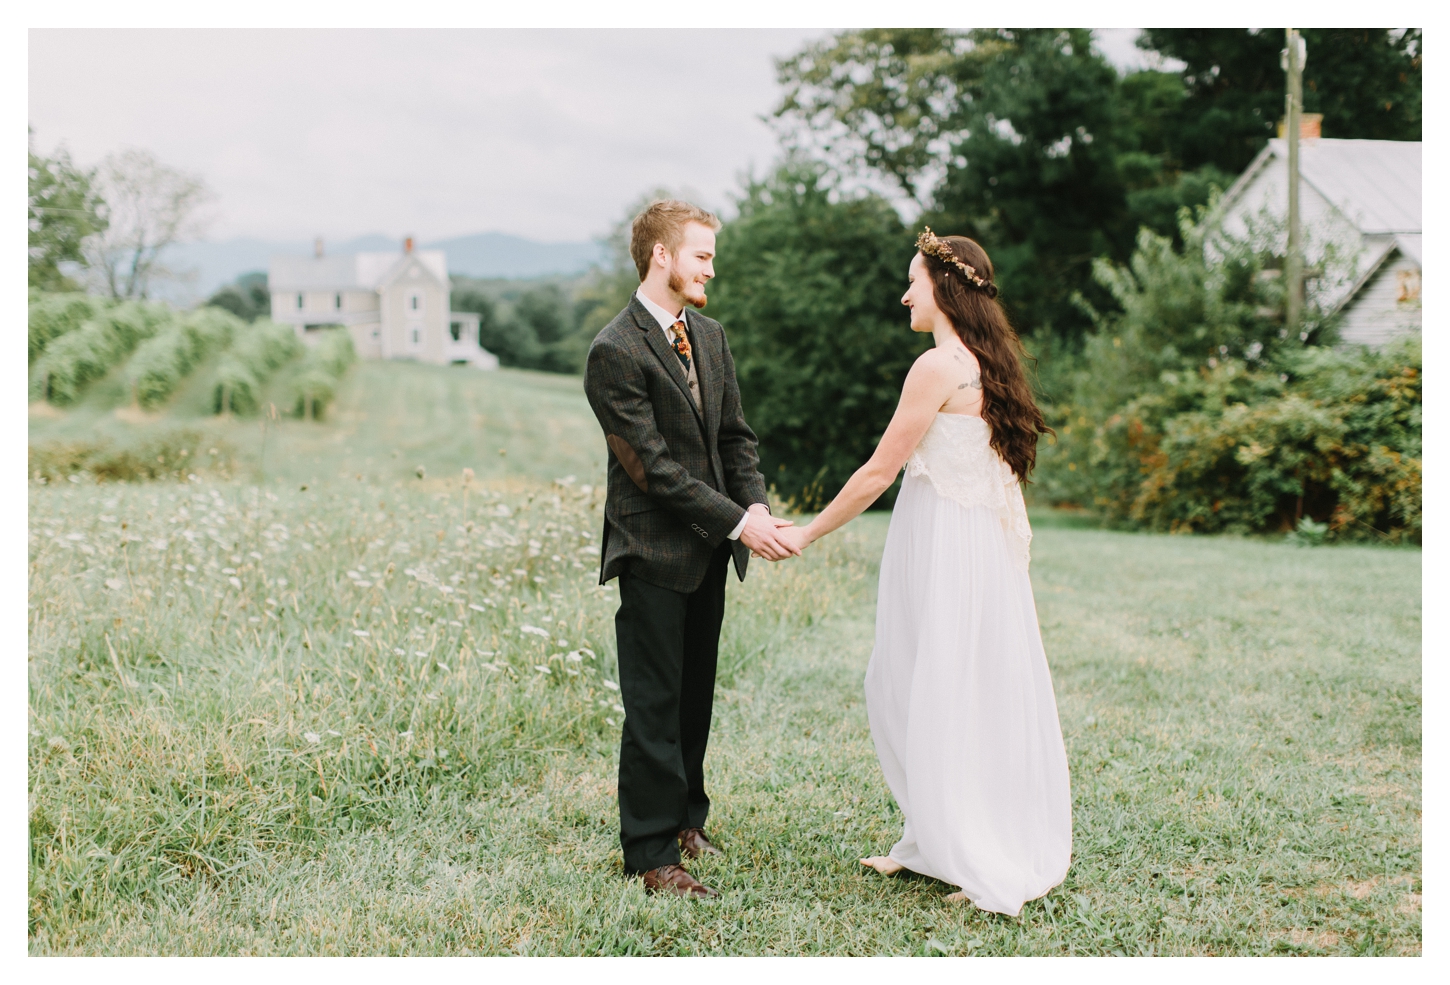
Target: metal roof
{"x":1375,"y":183}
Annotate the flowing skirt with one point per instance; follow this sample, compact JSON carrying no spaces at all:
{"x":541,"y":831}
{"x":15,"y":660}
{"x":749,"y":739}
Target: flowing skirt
{"x":961,"y":706}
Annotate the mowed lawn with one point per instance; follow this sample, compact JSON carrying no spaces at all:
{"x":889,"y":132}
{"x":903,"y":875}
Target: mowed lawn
{"x":376,"y":716}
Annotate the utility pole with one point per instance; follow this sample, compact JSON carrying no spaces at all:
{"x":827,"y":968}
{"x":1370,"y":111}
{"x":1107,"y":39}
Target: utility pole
{"x":1293,"y":62}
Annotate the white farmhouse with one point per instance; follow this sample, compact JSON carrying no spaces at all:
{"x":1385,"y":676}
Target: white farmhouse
{"x":1364,"y":197}
{"x":395,"y":305}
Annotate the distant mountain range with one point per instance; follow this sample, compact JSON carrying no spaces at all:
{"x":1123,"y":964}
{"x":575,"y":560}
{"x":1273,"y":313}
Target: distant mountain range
{"x":481,"y":255}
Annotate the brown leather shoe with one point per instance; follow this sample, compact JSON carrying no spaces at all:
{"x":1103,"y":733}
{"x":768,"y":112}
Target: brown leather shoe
{"x":673,"y":879}
{"x":693,"y":843}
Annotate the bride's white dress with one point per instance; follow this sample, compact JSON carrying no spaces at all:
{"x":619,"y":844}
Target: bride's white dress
{"x":958,"y":691}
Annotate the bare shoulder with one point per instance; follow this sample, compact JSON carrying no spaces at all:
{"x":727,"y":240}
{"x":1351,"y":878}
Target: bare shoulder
{"x":938,"y":361}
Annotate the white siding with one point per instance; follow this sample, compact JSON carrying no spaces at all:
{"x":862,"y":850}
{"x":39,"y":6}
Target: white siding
{"x":1386,"y":307}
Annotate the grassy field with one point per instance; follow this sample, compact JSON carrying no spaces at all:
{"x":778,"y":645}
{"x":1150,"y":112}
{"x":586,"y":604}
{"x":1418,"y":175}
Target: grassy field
{"x":376,"y":716}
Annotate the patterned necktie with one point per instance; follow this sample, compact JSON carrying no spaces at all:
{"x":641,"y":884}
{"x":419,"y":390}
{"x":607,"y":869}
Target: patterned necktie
{"x":681,"y":345}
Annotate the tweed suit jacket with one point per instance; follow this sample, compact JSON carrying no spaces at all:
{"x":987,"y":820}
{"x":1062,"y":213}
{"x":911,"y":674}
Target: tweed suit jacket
{"x":680,"y":477}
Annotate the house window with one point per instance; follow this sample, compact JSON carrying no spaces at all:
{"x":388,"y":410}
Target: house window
{"x":299,"y":302}
{"x":415,"y":301}
{"x":375,"y":333}
{"x":417,"y":336}
{"x":337,"y":301}
{"x":455,"y":328}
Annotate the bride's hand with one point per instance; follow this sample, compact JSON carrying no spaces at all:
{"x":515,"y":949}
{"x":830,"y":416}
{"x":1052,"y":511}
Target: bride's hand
{"x":795,"y":537}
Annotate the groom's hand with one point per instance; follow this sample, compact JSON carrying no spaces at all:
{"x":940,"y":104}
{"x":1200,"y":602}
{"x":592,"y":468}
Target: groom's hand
{"x":761,"y":537}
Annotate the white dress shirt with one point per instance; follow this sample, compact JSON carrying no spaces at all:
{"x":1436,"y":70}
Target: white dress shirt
{"x":666,"y":320}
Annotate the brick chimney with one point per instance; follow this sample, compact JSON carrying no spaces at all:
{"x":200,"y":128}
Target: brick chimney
{"x":1308,"y":126}
{"x":317,"y":247}
{"x":408,"y":244}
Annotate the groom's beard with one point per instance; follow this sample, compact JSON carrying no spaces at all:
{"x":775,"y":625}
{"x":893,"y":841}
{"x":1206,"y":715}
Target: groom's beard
{"x":676,"y":285}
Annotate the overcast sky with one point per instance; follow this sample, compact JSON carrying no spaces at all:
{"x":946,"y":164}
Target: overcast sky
{"x":545,"y":134}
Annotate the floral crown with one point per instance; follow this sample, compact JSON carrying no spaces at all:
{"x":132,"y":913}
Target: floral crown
{"x":931,"y":245}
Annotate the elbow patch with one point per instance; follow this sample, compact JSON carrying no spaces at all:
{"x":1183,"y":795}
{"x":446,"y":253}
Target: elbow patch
{"x":629,"y":458}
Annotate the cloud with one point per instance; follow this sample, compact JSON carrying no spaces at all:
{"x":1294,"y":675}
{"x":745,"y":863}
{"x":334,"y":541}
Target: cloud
{"x":546,"y":134}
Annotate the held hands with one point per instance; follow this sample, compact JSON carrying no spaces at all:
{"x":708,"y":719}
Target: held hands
{"x":764,"y":535}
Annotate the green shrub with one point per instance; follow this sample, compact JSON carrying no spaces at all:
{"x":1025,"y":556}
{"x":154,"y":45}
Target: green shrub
{"x":321,"y":370}
{"x":165,"y":359}
{"x":54,"y":315}
{"x":76,"y":358}
{"x":1193,"y":408}
{"x":259,"y":350}
{"x":1336,"y":438}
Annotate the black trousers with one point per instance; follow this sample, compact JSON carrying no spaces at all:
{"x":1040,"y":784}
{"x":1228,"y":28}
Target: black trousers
{"x":668,"y":644}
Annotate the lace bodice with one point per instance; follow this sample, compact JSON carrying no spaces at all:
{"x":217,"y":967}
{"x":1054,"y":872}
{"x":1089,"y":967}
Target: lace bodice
{"x":957,"y":457}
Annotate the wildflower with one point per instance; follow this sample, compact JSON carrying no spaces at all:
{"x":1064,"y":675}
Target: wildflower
{"x":587,"y":652}
{"x":534,"y":630}
{"x":312,"y":737}
{"x":236,"y":582}
{"x":476,"y":608}
{"x":574,"y":656}
{"x":542,"y":669}
{"x":115,"y":584}
{"x":400,"y":651}
{"x":618,"y":707}
{"x":609,"y":721}
{"x":443,"y":666}
{"x":360,"y":632}
{"x":363,"y":584}
{"x":611,"y":685}
{"x":420,"y":653}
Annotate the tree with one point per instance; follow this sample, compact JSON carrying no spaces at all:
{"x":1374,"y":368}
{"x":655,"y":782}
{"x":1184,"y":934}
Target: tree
{"x":514,"y":344}
{"x":150,"y":207}
{"x":1029,"y":141}
{"x":63,"y":209}
{"x":247,"y":298}
{"x":545,"y":313}
{"x":808,"y":288}
{"x":1366,"y":82}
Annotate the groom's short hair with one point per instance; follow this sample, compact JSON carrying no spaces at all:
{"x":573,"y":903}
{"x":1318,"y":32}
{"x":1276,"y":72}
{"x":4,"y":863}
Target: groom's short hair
{"x":663,"y":221}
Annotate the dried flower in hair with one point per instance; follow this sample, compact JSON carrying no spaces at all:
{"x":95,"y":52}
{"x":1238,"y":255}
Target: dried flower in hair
{"x":933,"y":246}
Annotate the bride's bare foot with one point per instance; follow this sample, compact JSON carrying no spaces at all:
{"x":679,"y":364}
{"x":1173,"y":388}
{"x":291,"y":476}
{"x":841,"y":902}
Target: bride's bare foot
{"x":958,"y":897}
{"x":883,"y":864}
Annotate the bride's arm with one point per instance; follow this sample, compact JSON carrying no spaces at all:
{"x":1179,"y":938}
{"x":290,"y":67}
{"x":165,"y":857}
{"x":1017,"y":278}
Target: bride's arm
{"x":926,"y":390}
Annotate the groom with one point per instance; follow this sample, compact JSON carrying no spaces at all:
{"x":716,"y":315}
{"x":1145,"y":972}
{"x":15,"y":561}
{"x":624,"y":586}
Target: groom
{"x":685,"y":496}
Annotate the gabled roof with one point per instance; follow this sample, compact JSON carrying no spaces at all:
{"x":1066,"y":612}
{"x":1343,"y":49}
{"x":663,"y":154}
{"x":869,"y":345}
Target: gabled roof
{"x":365,"y":271}
{"x":1376,"y":184}
{"x":431,"y":262}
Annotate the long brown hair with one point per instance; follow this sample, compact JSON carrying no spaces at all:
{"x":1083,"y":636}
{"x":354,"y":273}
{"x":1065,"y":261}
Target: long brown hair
{"x":1007,"y":403}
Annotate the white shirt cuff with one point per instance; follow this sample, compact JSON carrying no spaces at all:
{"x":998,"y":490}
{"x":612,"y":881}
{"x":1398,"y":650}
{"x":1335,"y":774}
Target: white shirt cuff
{"x":740,"y":527}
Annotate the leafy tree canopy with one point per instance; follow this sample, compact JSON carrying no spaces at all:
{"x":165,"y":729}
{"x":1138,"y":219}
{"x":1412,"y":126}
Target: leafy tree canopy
{"x":63,"y":209}
{"x":1029,"y":141}
{"x":808,"y":288}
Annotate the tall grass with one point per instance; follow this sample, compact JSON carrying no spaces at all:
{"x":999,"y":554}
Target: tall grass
{"x":221,"y":762}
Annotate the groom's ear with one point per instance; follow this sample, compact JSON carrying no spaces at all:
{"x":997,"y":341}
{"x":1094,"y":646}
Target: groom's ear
{"x":629,"y":458}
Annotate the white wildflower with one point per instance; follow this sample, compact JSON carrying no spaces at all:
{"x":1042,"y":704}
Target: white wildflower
{"x":542,"y":669}
{"x":534,"y":630}
{"x":361,"y":632}
{"x":312,"y":737}
{"x":611,"y":685}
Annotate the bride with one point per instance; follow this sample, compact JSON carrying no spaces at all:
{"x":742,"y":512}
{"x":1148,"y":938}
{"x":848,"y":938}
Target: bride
{"x":958,"y":691}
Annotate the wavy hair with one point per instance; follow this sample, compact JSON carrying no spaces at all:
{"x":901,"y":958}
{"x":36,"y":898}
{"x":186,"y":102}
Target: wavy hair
{"x":974,"y":311}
